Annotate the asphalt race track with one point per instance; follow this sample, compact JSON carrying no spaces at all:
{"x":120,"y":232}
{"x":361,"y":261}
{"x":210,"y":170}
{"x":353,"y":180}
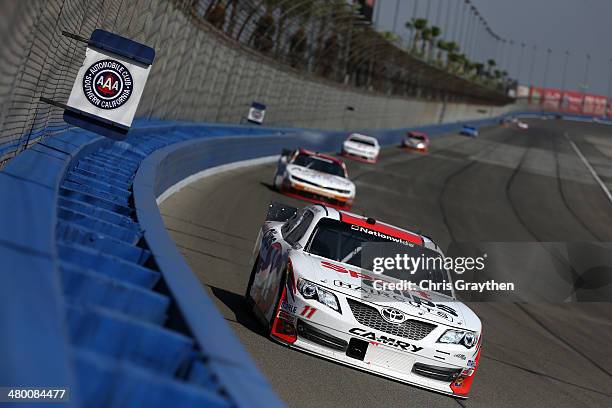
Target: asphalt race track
{"x":507,"y":185}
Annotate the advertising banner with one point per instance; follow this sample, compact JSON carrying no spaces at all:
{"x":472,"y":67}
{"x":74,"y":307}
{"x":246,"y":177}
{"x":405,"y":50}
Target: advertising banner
{"x":108,"y":87}
{"x":551,"y":98}
{"x":571,"y":102}
{"x":522,"y":91}
{"x":594,"y":105}
{"x":257,"y":113}
{"x":535,"y":94}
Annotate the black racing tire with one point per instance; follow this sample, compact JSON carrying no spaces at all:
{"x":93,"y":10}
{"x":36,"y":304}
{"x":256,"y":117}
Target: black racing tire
{"x":279,"y":294}
{"x":248,"y":300}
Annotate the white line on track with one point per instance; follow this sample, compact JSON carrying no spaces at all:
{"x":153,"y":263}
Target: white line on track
{"x":591,"y":169}
{"x":212,"y":171}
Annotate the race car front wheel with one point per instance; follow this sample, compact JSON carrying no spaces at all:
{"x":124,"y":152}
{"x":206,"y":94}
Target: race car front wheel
{"x":247,"y":295}
{"x":281,"y":326}
{"x":278,"y":182}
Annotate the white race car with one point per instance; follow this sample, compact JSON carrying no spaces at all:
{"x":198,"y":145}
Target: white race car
{"x":520,"y":124}
{"x":308,"y":290}
{"x":314,"y":177}
{"x":361,"y":147}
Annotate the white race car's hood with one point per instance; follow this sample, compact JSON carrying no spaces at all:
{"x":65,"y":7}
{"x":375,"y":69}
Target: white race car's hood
{"x":319,"y":178}
{"x":355,"y":282}
{"x":348,"y":144}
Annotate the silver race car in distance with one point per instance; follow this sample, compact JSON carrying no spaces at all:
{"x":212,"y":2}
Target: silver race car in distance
{"x":361,"y":147}
{"x":309,"y":291}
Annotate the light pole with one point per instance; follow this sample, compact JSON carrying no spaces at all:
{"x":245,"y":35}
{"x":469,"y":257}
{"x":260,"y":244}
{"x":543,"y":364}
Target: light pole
{"x":474,"y":32}
{"x":567,"y":53}
{"x":544,"y":82}
{"x":447,"y":22}
{"x":520,"y":68}
{"x":395,"y":16}
{"x":585,"y":85}
{"x":414,"y":17}
{"x":461,"y":26}
{"x":533,"y":55}
{"x":439,"y":14}
{"x":454,"y":29}
{"x":586,"y":71}
{"x":609,"y":84}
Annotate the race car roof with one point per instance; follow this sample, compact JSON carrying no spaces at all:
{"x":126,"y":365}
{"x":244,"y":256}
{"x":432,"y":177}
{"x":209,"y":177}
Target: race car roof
{"x":358,"y":136}
{"x":414,"y":133}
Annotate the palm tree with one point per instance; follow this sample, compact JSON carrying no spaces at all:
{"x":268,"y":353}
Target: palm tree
{"x":425,"y":40}
{"x":434,"y":33}
{"x":491,"y":63}
{"x":417,"y":26}
{"x":452,"y":50}
{"x":442,"y":47}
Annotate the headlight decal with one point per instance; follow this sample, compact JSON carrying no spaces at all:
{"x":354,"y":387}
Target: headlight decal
{"x":454,"y":336}
{"x":313,"y":291}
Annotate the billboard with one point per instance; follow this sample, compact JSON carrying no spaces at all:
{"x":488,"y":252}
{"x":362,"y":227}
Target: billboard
{"x":594,"y":105}
{"x":522,"y":91}
{"x":569,"y":101}
{"x":535,"y":94}
{"x":551,"y":98}
{"x":572,"y":102}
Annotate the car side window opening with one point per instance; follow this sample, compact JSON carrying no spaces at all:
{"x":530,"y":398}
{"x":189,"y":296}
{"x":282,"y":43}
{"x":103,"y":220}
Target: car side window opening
{"x":299,"y":227}
{"x":290,"y":223}
{"x":362,"y":141}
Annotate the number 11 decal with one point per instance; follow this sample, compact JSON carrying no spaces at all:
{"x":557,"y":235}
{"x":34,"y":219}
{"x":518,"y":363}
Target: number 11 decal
{"x":308,"y":311}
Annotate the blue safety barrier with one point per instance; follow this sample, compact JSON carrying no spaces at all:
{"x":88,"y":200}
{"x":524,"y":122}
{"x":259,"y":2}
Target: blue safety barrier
{"x":94,"y":294}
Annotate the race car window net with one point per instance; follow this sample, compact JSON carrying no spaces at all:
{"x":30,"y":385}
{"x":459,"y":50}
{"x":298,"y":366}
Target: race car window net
{"x":303,"y":222}
{"x":291,"y":223}
{"x":335,"y":240}
{"x":318,"y":164}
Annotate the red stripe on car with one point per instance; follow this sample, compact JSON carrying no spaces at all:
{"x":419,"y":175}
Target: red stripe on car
{"x":382,"y":228}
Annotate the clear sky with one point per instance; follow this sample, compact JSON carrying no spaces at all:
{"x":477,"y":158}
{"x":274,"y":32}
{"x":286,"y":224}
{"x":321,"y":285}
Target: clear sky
{"x":579,"y":26}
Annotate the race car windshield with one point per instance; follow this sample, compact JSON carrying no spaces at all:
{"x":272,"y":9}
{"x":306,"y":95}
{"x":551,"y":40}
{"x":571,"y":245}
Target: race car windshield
{"x":417,"y":137}
{"x":315,"y":163}
{"x":362,"y":141}
{"x":337,"y":241}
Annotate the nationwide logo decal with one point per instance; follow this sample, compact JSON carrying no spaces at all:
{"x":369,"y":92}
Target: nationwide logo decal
{"x":107,"y":84}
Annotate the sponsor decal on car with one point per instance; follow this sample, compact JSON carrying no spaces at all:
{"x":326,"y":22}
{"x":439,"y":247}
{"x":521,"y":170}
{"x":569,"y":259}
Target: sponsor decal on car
{"x":288,"y":307}
{"x":107,"y":84}
{"x":386,"y":340}
{"x":400,"y":296}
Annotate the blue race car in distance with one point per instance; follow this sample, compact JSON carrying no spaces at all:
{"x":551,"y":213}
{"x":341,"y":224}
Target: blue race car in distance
{"x":469,"y":130}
